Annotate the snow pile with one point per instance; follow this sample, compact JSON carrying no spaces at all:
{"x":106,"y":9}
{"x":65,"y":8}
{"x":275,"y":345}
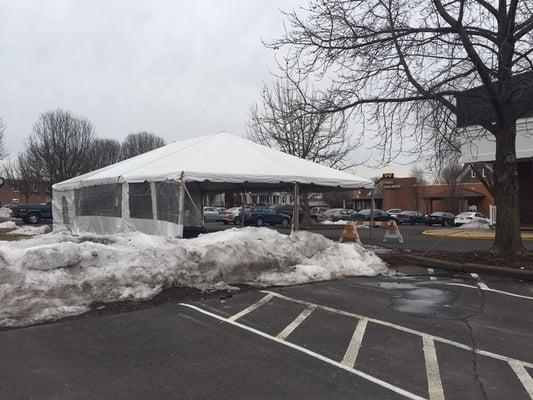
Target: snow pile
{"x":55,"y":275}
{"x":30,"y":230}
{"x":476,"y":226}
{"x":8,"y":225}
{"x":5,"y":213}
{"x":339,"y":222}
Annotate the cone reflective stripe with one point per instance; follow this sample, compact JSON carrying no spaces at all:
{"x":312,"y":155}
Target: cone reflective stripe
{"x":350,"y":232}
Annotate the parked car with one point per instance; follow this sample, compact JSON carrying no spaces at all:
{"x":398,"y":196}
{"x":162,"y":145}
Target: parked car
{"x":32,"y":213}
{"x":410,"y":217}
{"x":231,"y":216}
{"x":470,"y":216}
{"x":440,"y":218}
{"x":394,"y":211}
{"x":265,"y":215}
{"x":212,"y":214}
{"x":336,"y":214}
{"x":288,"y":210}
{"x":379,"y":215}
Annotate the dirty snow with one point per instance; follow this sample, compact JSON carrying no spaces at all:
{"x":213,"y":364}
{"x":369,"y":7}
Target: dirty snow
{"x":5,"y":213}
{"x":54,"y":275}
{"x":339,"y":222}
{"x":30,"y":230}
{"x":476,"y":225}
{"x":8,"y":225}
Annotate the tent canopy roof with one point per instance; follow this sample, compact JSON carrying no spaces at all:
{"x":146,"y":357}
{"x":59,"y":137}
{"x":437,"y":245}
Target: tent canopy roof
{"x":220,"y":162}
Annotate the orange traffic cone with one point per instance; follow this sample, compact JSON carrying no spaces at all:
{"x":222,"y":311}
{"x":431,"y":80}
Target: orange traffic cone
{"x":350,"y":232}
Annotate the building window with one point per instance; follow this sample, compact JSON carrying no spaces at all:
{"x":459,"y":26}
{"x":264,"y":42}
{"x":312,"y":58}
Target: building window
{"x":483,"y":173}
{"x":473,"y":173}
{"x":15,"y":188}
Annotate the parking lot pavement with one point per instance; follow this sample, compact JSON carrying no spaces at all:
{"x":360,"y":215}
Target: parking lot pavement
{"x":412,"y":235}
{"x":418,"y":334}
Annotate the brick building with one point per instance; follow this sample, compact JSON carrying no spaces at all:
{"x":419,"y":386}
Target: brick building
{"x":10,"y":194}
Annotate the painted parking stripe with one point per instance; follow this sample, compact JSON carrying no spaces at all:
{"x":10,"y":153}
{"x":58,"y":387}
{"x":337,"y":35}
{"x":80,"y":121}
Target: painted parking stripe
{"x":294,"y":324}
{"x":488,"y":289}
{"x":251,"y":308}
{"x":431,"y":271}
{"x":524,"y":377}
{"x":405,"y":329}
{"x":432,"y":369}
{"x":355,"y":344}
{"x":320,"y":357}
{"x":480,"y":284}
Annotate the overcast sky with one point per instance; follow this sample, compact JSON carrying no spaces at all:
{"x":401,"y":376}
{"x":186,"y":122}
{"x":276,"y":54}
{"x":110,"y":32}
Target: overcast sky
{"x":178,"y":68}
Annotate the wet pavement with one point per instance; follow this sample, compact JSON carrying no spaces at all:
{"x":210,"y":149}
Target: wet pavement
{"x":419,"y":334}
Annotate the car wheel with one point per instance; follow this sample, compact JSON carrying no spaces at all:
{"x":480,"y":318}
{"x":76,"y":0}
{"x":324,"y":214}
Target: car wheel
{"x":259,"y":222}
{"x":225,"y":222}
{"x":412,"y":222}
{"x":314,"y":220}
{"x":237,"y":221}
{"x":284,"y":222}
{"x":33,"y":218}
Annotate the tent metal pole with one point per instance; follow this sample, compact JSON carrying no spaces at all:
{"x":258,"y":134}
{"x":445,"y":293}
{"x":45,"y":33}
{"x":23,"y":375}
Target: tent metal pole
{"x":242,"y":205}
{"x":372,"y":212}
{"x":181,"y":208}
{"x":296,"y":207}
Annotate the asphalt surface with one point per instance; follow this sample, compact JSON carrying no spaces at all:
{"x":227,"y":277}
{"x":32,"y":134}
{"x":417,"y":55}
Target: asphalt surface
{"x":417,"y":334}
{"x":412,"y":238}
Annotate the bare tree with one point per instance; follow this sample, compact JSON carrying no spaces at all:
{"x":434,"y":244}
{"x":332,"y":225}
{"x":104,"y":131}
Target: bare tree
{"x":282,"y":121}
{"x":104,"y":152}
{"x":419,"y":173}
{"x":405,"y":66}
{"x":3,"y":150}
{"x":139,"y":143}
{"x":59,"y":147}
{"x":450,"y":175}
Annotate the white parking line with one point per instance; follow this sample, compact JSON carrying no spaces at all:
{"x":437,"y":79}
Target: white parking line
{"x":320,"y":357}
{"x":432,"y":369}
{"x":294,"y":324}
{"x":524,"y":377}
{"x":480,"y":284}
{"x":488,"y":289}
{"x":254,"y":306}
{"x":355,"y":344}
{"x":431,"y":271}
{"x":405,"y":329}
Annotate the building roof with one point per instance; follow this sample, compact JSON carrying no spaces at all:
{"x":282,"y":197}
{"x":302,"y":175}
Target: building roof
{"x":219,"y":159}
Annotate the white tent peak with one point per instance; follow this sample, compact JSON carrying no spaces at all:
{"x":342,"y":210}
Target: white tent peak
{"x":222,"y":158}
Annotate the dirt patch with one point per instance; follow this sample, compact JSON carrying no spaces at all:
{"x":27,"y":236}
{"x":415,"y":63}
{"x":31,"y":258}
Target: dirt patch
{"x":523,"y":262}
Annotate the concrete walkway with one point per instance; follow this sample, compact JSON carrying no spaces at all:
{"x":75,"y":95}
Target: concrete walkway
{"x":458,"y":233}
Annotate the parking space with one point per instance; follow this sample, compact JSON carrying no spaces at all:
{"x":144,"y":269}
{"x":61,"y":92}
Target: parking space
{"x":388,"y":337}
{"x":428,"y":343}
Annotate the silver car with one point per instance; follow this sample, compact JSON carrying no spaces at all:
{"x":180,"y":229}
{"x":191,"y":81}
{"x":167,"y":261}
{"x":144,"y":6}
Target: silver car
{"x":212,"y":214}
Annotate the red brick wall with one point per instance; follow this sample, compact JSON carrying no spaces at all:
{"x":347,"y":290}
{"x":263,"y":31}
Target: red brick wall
{"x":443,"y":205}
{"x":402,"y":195}
{"x":9,"y":196}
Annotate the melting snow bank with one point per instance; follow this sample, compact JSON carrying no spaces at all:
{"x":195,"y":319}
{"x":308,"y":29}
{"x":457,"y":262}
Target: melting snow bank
{"x":56,"y":275}
{"x":476,"y":225}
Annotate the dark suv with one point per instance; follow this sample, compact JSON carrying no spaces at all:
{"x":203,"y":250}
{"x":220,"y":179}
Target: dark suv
{"x":32,"y":213}
{"x":264,"y":215}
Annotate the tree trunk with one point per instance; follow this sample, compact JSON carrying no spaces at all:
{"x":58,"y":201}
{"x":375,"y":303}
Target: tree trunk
{"x":508,"y":239}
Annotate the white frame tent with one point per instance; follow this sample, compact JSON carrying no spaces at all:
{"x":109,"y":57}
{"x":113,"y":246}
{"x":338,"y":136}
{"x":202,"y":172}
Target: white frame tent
{"x":161,"y":191}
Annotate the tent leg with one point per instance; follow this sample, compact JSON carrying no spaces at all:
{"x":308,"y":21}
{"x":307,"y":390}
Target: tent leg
{"x":372,"y":212}
{"x":242,"y":205}
{"x":181,"y":208}
{"x":296,"y":207}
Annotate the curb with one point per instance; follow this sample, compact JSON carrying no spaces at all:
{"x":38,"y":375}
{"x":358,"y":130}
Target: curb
{"x":470,"y":267}
{"x":469,"y":235}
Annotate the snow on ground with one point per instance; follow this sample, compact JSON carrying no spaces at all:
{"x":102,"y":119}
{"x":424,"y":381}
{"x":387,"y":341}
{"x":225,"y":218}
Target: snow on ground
{"x":5,"y":213}
{"x":339,"y":222}
{"x":8,"y":225}
{"x":30,"y":230}
{"x":476,"y":225}
{"x":54,"y":275}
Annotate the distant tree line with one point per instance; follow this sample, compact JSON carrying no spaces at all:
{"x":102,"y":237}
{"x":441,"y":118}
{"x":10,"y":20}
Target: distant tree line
{"x":63,"y":145}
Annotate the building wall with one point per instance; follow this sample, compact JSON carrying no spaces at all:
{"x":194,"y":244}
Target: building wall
{"x":9,"y":194}
{"x":399,"y":193}
{"x":483,"y":205}
{"x":525,"y":192}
